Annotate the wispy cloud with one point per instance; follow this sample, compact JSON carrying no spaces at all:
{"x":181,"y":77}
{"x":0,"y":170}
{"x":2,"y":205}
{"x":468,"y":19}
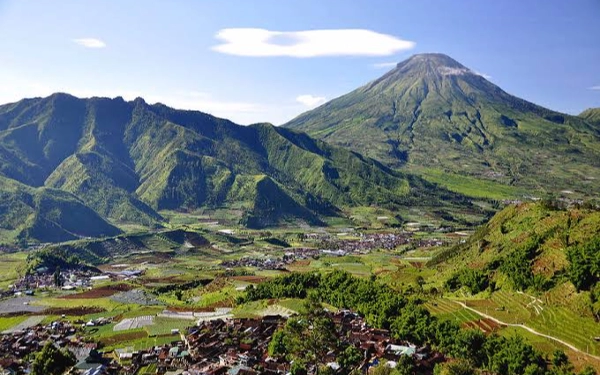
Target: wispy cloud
{"x":595,"y":87}
{"x":310,"y":100}
{"x":486,"y":76}
{"x":385,"y":65}
{"x":310,"y":43}
{"x":90,"y":42}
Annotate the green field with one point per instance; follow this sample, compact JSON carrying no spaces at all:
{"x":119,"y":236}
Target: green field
{"x":445,"y":309}
{"x":10,"y":266}
{"x":163,"y":326}
{"x":471,"y":186}
{"x":7,"y":323}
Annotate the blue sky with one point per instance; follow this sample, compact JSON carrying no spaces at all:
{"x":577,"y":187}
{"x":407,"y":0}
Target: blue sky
{"x":216,"y":56}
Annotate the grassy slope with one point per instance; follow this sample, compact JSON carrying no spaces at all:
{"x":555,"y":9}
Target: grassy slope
{"x":591,"y":115}
{"x":560,"y":310}
{"x":47,"y":215}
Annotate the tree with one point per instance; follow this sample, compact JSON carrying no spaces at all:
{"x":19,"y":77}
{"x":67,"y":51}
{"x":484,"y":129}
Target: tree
{"x":584,"y":264}
{"x":420,"y":281}
{"x":559,"y":358}
{"x":405,"y":365}
{"x":57,"y":277}
{"x":52,"y":361}
{"x":382,"y":369}
{"x":414,"y":324}
{"x":178,"y":294}
{"x":298,"y":368}
{"x":512,"y":356}
{"x":277,"y":346}
{"x":349,"y":358}
{"x":460,"y":367}
{"x":311,"y":335}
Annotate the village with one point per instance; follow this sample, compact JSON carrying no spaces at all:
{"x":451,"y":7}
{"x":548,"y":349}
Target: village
{"x":328,"y":245}
{"x":230,"y":346}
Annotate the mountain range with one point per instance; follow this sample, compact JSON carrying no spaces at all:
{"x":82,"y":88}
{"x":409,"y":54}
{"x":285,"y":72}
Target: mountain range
{"x":432,"y":115}
{"x":72,"y":168}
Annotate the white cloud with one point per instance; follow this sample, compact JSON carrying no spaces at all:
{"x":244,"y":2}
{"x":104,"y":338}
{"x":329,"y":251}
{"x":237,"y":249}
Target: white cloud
{"x":310,"y":43}
{"x":595,"y":87}
{"x":385,"y":65}
{"x":90,"y":42}
{"x":486,"y":76}
{"x":310,"y":100}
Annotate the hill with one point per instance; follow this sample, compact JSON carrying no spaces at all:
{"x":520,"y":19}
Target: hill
{"x":47,"y":215}
{"x":540,"y":247}
{"x":432,"y":115}
{"x":591,"y":115}
{"x":129,"y":160}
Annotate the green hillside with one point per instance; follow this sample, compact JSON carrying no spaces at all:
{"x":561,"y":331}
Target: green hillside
{"x":542,"y":248}
{"x":129,"y":160}
{"x":46,"y":215}
{"x":591,"y":115}
{"x":433,"y":115}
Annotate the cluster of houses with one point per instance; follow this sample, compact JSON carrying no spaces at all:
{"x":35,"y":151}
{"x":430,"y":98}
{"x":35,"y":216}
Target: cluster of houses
{"x":43,"y":278}
{"x":17,"y":347}
{"x":231,"y":346}
{"x":240,"y":346}
{"x":274,"y":263}
{"x":331,"y":246}
{"x":70,"y":279}
{"x":368,"y":242}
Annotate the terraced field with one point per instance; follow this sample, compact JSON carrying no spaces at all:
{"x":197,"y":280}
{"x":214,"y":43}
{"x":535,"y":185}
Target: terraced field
{"x":506,"y":306}
{"x":446,"y":309}
{"x":566,"y":325}
{"x":485,"y":325}
{"x":558,"y":322}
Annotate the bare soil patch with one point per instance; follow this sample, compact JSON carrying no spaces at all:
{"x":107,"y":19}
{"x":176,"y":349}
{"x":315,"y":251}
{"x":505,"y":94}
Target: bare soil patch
{"x":74,"y":311}
{"x":250,"y":279}
{"x":101,"y":292}
{"x":123,"y":337}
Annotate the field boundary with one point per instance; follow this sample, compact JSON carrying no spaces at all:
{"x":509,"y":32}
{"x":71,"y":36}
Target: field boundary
{"x":529,"y":329}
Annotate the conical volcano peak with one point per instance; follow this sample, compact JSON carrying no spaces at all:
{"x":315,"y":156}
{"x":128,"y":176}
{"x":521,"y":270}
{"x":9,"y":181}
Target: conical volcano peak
{"x":439,"y":59}
{"x":433,"y":63}
{"x":433,"y":112}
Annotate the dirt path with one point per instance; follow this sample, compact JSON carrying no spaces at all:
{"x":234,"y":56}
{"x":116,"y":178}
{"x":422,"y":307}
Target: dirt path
{"x":570,"y":346}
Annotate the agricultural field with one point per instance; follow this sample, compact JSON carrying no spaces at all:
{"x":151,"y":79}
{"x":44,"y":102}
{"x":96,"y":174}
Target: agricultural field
{"x":447,"y":309}
{"x":11,"y":265}
{"x":8,"y":323}
{"x":191,"y":280}
{"x":559,"y":322}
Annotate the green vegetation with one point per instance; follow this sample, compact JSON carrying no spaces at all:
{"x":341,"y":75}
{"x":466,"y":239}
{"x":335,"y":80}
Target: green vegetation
{"x":474,"y":280}
{"x":549,"y":252}
{"x":584,"y":265}
{"x":530,"y":246}
{"x":308,"y":337}
{"x":11,"y":266}
{"x":126,"y":161}
{"x":591,"y":115}
{"x":46,"y":215}
{"x":52,"y":361}
{"x":406,"y":318}
{"x":436,"y":117}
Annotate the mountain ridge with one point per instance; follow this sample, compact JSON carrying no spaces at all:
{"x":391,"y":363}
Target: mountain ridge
{"x":129,"y":160}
